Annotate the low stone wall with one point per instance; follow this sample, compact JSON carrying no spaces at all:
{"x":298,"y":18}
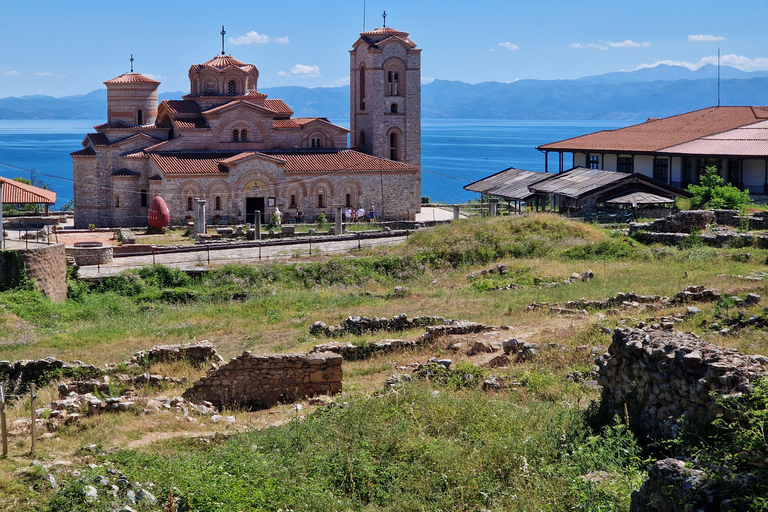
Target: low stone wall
{"x":265,"y":380}
{"x":682,"y":222}
{"x":17,"y":376}
{"x":46,"y":265}
{"x":662,"y":376}
{"x":198,"y":352}
{"x":90,"y":255}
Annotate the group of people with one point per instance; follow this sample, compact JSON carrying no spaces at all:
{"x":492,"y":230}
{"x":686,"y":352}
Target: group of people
{"x":352,"y":215}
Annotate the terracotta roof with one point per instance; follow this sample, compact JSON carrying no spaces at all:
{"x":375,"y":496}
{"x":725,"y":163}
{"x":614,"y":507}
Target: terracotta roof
{"x":122,"y":125}
{"x":84,"y":152}
{"x":510,"y":183}
{"x":15,"y":192}
{"x":285,"y":124}
{"x":654,"y":135}
{"x":750,"y":140}
{"x":383,"y":30}
{"x":278,"y":106}
{"x":126,"y":172}
{"x":203,"y":162}
{"x":335,"y":161}
{"x":181,"y":107}
{"x":255,"y":94}
{"x":379,"y":35}
{"x":197,"y":123}
{"x":222,"y":62}
{"x":97,"y":139}
{"x":131,"y":78}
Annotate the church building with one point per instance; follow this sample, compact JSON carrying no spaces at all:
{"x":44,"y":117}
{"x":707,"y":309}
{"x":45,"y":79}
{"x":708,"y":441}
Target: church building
{"x":228,"y":144}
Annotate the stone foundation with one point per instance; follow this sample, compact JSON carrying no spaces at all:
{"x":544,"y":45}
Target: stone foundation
{"x":262,"y":381}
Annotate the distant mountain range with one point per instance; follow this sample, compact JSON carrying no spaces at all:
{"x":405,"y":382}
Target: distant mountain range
{"x":649,"y":92}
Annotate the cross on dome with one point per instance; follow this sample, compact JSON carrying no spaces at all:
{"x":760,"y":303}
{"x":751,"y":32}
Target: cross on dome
{"x":131,"y":59}
{"x":384,"y":15}
{"x":222,"y":39}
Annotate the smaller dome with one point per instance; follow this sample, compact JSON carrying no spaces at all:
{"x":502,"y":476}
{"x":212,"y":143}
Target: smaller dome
{"x":223,"y":61}
{"x":132,"y":78}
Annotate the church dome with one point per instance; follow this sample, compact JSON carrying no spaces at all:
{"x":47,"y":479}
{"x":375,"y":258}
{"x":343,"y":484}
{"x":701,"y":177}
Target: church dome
{"x":131,"y":78}
{"x":223,"y":75}
{"x":380,"y":34}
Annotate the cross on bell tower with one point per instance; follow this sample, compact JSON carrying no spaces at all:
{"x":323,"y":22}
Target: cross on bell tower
{"x":222,"y":38}
{"x":384,"y":15}
{"x":131,"y":63}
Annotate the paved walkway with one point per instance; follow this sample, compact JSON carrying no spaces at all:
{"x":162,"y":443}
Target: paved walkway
{"x":203,"y":260}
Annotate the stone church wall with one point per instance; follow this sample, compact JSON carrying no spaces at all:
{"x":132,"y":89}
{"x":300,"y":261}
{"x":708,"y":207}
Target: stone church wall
{"x":45,"y":265}
{"x":265,"y":380}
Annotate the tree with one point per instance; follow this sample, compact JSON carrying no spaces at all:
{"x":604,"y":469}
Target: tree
{"x":714,"y":193}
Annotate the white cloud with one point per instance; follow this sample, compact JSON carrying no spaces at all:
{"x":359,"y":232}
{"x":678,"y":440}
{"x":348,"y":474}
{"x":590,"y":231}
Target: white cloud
{"x":9,"y":73}
{"x":154,"y":77}
{"x":253,"y":37}
{"x":509,"y":46}
{"x":592,"y":46}
{"x":341,"y":82}
{"x":702,"y":38}
{"x":628,"y":43}
{"x":425,"y":80}
{"x":734,"y":61}
{"x":43,"y":73}
{"x":302,"y":71}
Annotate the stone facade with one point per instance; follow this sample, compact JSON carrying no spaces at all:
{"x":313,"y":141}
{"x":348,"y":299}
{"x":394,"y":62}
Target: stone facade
{"x":265,"y":380}
{"x":228,"y":144}
{"x":46,"y":265}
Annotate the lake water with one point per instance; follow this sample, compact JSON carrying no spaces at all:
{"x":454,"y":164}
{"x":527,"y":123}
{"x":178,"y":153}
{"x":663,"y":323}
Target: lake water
{"x":455,"y":152}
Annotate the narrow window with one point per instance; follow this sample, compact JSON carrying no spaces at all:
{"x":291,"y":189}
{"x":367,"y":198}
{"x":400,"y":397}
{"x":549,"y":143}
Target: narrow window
{"x":140,"y":117}
{"x":661,"y":169}
{"x":393,"y":108}
{"x":293,"y":201}
{"x":733,"y":172}
{"x":361,"y":86}
{"x":117,"y":201}
{"x":362,"y":138}
{"x":235,"y":135}
{"x":320,"y":201}
{"x":217,"y":203}
{"x":144,"y":198}
{"x":243,"y":135}
{"x":232,"y":87}
{"x":316,"y":142}
{"x":189,"y":204}
{"x":393,"y":146}
{"x":392,"y":82}
{"x":349,"y":200}
{"x":593,"y":161}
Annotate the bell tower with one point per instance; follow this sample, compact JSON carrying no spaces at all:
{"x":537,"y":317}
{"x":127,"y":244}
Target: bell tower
{"x":385,"y":95}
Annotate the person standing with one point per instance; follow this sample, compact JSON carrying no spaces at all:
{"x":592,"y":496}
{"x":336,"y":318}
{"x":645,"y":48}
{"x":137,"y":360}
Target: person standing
{"x":372,"y":214}
{"x":348,"y":214}
{"x":361,"y":214}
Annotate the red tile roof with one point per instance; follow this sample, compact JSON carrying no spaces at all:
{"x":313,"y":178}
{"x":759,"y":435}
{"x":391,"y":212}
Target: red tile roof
{"x":278,"y":106}
{"x":21,"y":193}
{"x":654,"y":135}
{"x":181,"y":107}
{"x":132,"y":78}
{"x":335,"y":161}
{"x":190,"y":162}
{"x":196,"y":123}
{"x":283,"y":124}
{"x":122,"y":125}
{"x":750,"y":140}
{"x":223,"y":61}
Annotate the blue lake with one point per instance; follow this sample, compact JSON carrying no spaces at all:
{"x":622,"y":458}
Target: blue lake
{"x":455,"y":152}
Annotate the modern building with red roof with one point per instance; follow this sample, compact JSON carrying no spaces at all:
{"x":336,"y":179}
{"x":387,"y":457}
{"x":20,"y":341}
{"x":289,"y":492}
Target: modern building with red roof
{"x":677,"y":149}
{"x":230,"y":145}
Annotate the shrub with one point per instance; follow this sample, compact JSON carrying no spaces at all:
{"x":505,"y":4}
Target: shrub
{"x":713,"y":193}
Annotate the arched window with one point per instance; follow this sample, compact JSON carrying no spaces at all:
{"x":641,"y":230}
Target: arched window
{"x":144,"y":198}
{"x":362,"y":138}
{"x":140,"y":117}
{"x":317,"y":142}
{"x":320,"y":201}
{"x":393,"y":146}
{"x":235,"y":135}
{"x":348,"y":200}
{"x":217,"y":203}
{"x":232,"y":87}
{"x":117,"y":201}
{"x":361,"y":87}
{"x":189,"y":204}
{"x":392,"y":81}
{"x":393,"y":108}
{"x":243,"y":135}
{"x":293,"y":201}
{"x":210,"y":85}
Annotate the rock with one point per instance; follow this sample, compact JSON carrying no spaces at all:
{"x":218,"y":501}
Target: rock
{"x":492,"y":383}
{"x":51,"y":481}
{"x":512,"y":346}
{"x":481,"y":347}
{"x":144,"y":496}
{"x":500,"y":361}
{"x":91,"y":494}
{"x":399,"y":291}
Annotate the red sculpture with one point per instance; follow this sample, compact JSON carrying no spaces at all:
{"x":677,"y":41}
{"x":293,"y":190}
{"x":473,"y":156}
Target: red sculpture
{"x":158,"y":216}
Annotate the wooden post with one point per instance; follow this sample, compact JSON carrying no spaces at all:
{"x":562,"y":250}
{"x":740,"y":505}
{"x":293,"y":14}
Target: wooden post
{"x":33,"y":426}
{"x":3,"y":427}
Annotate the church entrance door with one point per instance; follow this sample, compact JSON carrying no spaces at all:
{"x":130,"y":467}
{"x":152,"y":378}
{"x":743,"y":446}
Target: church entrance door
{"x":252,"y":205}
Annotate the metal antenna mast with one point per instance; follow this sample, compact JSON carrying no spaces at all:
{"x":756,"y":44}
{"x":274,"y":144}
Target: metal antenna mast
{"x":718,"y":77}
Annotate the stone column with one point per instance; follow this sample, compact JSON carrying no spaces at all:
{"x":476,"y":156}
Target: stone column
{"x":200,"y":225}
{"x":456,"y":212}
{"x":257,"y":220}
{"x":493,"y":206}
{"x":339,"y":219}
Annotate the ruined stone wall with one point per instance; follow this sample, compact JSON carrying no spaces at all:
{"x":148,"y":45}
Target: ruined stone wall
{"x":663,"y":376}
{"x":45,"y":265}
{"x":265,"y":380}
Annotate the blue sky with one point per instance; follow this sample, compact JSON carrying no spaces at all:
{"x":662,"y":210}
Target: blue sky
{"x":63,"y":47}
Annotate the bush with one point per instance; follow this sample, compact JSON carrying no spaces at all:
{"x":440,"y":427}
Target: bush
{"x":712,"y":193}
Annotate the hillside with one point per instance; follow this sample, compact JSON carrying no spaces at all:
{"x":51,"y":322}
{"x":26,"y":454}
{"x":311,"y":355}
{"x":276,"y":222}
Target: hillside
{"x":652,"y":92}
